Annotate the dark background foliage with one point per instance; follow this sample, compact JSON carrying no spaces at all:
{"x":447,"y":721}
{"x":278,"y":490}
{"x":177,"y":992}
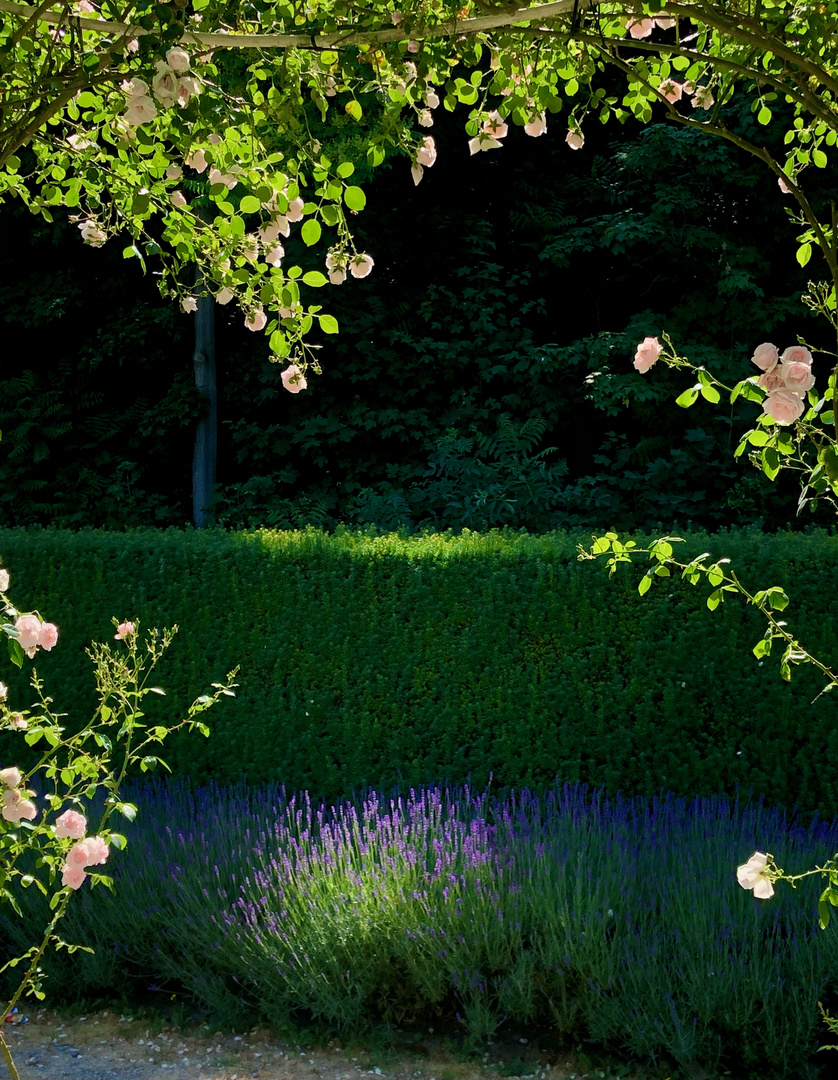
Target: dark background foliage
{"x":483,"y":372}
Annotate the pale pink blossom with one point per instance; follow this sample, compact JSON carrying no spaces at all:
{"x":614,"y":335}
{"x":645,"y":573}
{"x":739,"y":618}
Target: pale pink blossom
{"x":73,"y":876}
{"x":18,"y":722}
{"x":426,"y":118}
{"x":671,"y":91}
{"x":426,"y":154}
{"x":224,"y":296}
{"x":797,"y":377}
{"x":124,"y":630}
{"x":361,"y":265}
{"x":186,"y":89}
{"x":29,"y":629}
{"x":11,"y":777}
{"x":295,"y":210}
{"x":216,"y":176}
{"x":771,"y":380}
{"x":97,"y":850}
{"x":751,"y":875}
{"x":275,"y":255}
{"x":92,"y":234}
{"x":703,"y":98}
{"x":413,"y":46}
{"x":80,"y":142}
{"x":268,"y":233}
{"x":197,"y":161}
{"x":483,"y":142}
{"x":70,"y":825}
{"x":431,"y":98}
{"x":337,"y":276}
{"x":495,"y":125}
{"x":417,"y":172}
{"x":664,"y":22}
{"x":85,"y":7}
{"x":766,"y":356}
{"x":796,"y":354}
{"x":174,"y":172}
{"x":133,"y":45}
{"x":640,"y":28}
{"x":48,"y":636}
{"x":19,"y":808}
{"x":575,"y":140}
{"x":331,"y":87}
{"x":293,"y":379}
{"x":4,"y":581}
{"x":783,"y":186}
{"x":647,"y":354}
{"x":164,"y":84}
{"x":215,"y":140}
{"x":257,"y":320}
{"x":783,"y":406}
{"x":4,"y":691}
{"x":396,"y":18}
{"x":177,"y":59}
{"x":189,"y":304}
{"x":177,"y":198}
{"x":537,"y":126}
{"x":140,"y":110}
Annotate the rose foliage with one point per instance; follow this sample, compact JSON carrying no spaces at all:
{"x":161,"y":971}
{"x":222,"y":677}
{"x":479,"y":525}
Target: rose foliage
{"x":185,"y":128}
{"x":46,"y":841}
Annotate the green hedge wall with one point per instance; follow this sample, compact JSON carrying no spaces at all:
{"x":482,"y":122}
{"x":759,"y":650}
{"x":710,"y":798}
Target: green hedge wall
{"x":377,"y":660}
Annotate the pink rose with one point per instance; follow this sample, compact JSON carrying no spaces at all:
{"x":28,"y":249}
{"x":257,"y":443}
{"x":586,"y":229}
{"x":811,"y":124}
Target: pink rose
{"x":766,"y":356}
{"x":537,"y":126}
{"x":70,"y":825}
{"x":177,"y":59}
{"x":417,"y":172}
{"x":671,"y":91}
{"x":293,"y":379}
{"x":29,"y":629}
{"x":275,"y":255}
{"x":164,"y":84}
{"x":413,"y":46}
{"x":140,"y":110}
{"x":783,"y":186}
{"x":647,"y":354}
{"x":426,"y":154}
{"x":640,"y":28}
{"x":174,"y":172}
{"x":48,"y":636}
{"x":771,"y":380}
{"x":73,"y":876}
{"x":431,"y":98}
{"x":361,"y":265}
{"x":124,"y":630}
{"x":89,"y":852}
{"x":224,"y":296}
{"x":337,"y":276}
{"x":268,"y":233}
{"x":426,"y":118}
{"x":796,"y":354}
{"x":495,"y":126}
{"x":257,"y":320}
{"x":197,"y":161}
{"x":798,"y":377}
{"x":783,"y":406}
{"x":189,"y":304}
{"x":483,"y":141}
{"x":575,"y":140}
{"x":295,"y":210}
{"x":4,"y":580}
{"x":11,"y":777}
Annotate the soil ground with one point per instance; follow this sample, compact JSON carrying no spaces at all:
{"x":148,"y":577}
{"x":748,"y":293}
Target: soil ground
{"x":112,"y":1046}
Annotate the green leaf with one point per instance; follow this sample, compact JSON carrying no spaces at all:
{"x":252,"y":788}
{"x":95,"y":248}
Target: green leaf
{"x":315,"y":279}
{"x":354,"y":198}
{"x":819,"y":159}
{"x":762,"y":648}
{"x":15,"y":652}
{"x":375,"y":156}
{"x":714,"y":599}
{"x":757,"y":437}
{"x":688,"y":397}
{"x":764,"y":116}
{"x":127,"y":809}
{"x":770,"y":462}
{"x":249,"y":205}
{"x":118,"y":841}
{"x":345,"y":170}
{"x":804,"y":254}
{"x":353,"y":109}
{"x":711,"y":394}
{"x":645,"y":585}
{"x":328,"y":323}
{"x":310,"y":232}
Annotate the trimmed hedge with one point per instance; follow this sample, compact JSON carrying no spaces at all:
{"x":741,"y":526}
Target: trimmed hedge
{"x":374,"y":660}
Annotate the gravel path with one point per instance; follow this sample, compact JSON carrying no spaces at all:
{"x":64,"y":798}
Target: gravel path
{"x":106,"y":1046}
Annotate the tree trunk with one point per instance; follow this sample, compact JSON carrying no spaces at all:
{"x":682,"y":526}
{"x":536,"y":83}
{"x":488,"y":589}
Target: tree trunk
{"x":203,"y":459}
